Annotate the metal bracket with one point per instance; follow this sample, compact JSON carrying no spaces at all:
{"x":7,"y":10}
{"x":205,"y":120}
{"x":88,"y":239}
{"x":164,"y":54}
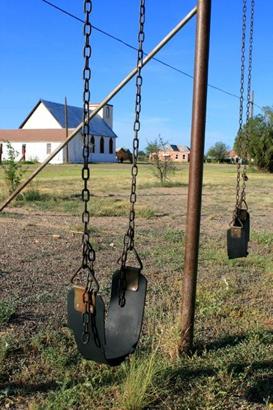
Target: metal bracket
{"x":236,"y":232}
{"x":79,"y":304}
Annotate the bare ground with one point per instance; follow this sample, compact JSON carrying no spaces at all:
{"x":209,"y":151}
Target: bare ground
{"x":40,"y":252}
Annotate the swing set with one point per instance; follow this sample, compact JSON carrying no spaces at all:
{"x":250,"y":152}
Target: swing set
{"x":113,"y":337}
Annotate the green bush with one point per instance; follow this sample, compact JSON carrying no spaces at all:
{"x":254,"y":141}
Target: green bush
{"x":12,"y":169}
{"x":7,"y":310}
{"x":32,"y":195}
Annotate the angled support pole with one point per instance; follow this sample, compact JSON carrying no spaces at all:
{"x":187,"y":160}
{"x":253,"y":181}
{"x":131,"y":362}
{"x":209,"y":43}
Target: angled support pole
{"x":196,"y":174}
{"x":122,"y":84}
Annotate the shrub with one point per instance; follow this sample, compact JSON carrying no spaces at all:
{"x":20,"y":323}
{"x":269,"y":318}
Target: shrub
{"x":12,"y":169}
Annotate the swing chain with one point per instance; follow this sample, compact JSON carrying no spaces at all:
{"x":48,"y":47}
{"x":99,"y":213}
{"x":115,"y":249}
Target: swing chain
{"x":241,"y":111}
{"x":242,"y":79}
{"x":88,"y":253}
{"x":128,"y":242}
{"x":250,"y":59}
{"x":244,"y":173}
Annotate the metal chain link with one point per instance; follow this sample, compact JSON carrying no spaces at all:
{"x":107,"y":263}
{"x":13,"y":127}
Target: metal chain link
{"x":88,"y":253}
{"x":250,"y":54}
{"x":128,"y":241}
{"x":244,"y":173}
{"x":241,"y":110}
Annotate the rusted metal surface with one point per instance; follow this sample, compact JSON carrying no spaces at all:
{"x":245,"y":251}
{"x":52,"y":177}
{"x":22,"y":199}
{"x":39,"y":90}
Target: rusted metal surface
{"x":196,"y":174}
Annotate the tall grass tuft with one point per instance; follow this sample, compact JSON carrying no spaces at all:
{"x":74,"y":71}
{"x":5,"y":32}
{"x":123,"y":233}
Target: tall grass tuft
{"x":33,"y":195}
{"x":138,"y":390}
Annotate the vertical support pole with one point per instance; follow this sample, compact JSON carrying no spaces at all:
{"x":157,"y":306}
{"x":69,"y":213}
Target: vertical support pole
{"x":66,"y":159}
{"x":196,"y":174}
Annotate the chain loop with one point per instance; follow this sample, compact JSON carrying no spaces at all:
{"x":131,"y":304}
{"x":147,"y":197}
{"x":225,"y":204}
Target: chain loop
{"x":128,"y":241}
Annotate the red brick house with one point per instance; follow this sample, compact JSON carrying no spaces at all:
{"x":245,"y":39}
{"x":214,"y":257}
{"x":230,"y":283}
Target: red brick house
{"x":177,"y":153}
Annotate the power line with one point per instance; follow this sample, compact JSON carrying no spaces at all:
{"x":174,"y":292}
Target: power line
{"x":178,"y":70}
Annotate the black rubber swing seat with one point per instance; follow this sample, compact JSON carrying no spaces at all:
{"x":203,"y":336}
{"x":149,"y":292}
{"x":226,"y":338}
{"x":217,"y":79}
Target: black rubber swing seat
{"x":238,"y":235}
{"x":111,"y":338}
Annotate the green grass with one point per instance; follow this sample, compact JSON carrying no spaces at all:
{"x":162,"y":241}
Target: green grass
{"x":263,"y":238}
{"x":99,"y":206}
{"x":65,"y":180}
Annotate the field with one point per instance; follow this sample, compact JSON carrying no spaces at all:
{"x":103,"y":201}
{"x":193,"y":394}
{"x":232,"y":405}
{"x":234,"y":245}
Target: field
{"x":232,"y":365}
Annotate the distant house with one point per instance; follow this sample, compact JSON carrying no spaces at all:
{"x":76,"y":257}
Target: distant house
{"x":178,"y":153}
{"x":123,"y":154}
{"x":232,"y":156}
{"x":44,"y":129}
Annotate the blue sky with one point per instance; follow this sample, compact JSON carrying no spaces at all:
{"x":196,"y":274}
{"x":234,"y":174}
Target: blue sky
{"x":41,"y":57}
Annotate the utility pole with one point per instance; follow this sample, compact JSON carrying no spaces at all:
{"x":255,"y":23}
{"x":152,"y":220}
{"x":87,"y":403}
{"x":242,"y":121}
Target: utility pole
{"x":66,"y":130}
{"x":195,"y":174}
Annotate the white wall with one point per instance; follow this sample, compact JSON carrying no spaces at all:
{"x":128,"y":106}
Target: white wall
{"x":106,"y":113}
{"x":38,"y":151}
{"x":75,"y":150}
{"x":35,"y":151}
{"x":41,"y":118}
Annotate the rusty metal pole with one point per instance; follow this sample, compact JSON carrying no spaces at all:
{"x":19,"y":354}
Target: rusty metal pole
{"x":196,"y":174}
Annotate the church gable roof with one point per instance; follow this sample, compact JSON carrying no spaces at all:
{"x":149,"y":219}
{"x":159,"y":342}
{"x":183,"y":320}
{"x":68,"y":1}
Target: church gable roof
{"x":74,"y":117}
{"x":74,"y":114}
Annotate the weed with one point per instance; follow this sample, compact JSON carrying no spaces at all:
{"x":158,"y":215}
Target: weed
{"x":138,"y":390}
{"x":33,"y":195}
{"x":7,"y":310}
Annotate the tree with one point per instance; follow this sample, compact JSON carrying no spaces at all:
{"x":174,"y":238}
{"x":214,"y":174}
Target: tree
{"x":218,"y":152}
{"x":255,"y":141}
{"x":12,"y":169}
{"x":162,"y":164}
{"x":142,"y":156}
{"x":152,"y":147}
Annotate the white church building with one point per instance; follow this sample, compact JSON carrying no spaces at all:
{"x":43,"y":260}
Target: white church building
{"x":47,"y":126}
